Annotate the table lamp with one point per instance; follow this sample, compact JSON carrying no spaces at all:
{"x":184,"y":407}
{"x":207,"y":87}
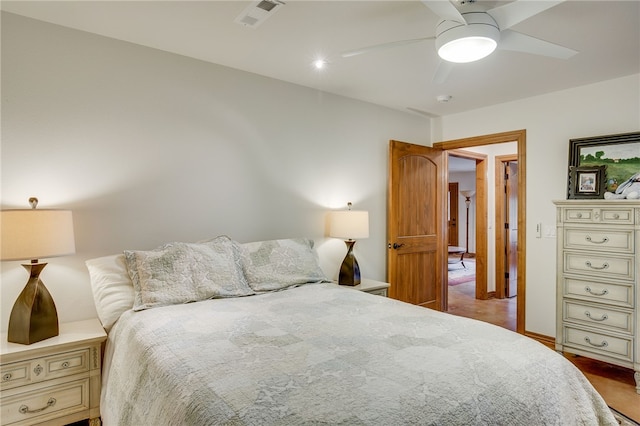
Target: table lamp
{"x":33,"y":234}
{"x":349,"y":224}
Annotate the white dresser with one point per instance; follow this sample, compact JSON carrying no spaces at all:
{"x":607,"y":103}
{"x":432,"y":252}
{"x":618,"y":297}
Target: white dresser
{"x":598,"y":290}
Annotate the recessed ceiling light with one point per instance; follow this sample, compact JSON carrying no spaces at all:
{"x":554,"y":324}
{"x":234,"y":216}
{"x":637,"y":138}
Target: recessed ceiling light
{"x":320,"y":64}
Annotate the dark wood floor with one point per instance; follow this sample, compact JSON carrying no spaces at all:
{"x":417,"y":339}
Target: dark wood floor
{"x":615,"y":384}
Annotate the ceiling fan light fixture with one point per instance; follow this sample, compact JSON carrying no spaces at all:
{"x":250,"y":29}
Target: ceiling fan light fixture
{"x":460,"y":43}
{"x":468,"y":49}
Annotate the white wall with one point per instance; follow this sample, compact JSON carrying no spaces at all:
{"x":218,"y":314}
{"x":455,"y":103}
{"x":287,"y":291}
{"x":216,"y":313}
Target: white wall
{"x":550,"y":121}
{"x":147,"y":147}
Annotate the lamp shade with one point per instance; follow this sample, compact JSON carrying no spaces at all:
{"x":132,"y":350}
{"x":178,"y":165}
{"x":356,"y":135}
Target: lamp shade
{"x":349,"y":224}
{"x":36,"y":233}
{"x":468,"y":193}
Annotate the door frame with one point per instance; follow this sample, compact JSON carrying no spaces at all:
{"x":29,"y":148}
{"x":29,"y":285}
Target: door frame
{"x":520,"y":137}
{"x":501,"y":237}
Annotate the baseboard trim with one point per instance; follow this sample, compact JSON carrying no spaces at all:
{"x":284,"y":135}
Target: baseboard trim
{"x":545,"y":340}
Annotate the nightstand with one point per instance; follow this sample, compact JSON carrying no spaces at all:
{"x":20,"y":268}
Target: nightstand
{"x":367,"y":285}
{"x":55,"y":381}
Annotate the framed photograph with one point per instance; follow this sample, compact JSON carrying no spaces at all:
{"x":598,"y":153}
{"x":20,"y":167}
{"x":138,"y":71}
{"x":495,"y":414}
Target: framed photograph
{"x":587,"y":182}
{"x":619,"y":153}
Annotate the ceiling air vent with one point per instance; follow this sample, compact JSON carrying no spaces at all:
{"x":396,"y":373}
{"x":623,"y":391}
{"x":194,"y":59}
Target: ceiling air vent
{"x":258,"y":12}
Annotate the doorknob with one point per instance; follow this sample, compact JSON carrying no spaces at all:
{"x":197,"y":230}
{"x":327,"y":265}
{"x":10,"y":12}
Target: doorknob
{"x":396,"y":246}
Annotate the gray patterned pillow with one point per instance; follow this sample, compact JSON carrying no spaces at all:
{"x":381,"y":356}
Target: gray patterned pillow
{"x":277,"y":264}
{"x":186,"y":272}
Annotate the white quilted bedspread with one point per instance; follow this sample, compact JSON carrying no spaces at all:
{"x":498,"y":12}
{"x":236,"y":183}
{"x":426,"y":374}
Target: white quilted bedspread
{"x":324,"y":354}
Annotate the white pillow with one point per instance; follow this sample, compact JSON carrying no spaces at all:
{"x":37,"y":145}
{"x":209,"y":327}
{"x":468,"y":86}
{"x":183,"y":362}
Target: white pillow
{"x":186,"y":272}
{"x":112,"y":288}
{"x":278,"y":264}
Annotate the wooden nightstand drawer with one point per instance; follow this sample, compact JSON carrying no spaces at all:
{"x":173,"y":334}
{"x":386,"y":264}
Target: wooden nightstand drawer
{"x":45,"y":402}
{"x":614,"y":240}
{"x":16,"y":374}
{"x":620,"y":321}
{"x":60,"y":365}
{"x":381,"y":292}
{"x":67,"y":363}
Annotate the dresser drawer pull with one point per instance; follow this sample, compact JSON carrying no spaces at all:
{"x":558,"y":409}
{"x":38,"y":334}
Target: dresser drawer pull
{"x":6,"y":377}
{"x":604,"y":343}
{"x":616,"y":216}
{"x":25,"y":410}
{"x":38,"y":370}
{"x":579,"y":215}
{"x":65,"y":364}
{"x":605,"y":265}
{"x":588,"y":314}
{"x":602,"y":293}
{"x":604,"y":240}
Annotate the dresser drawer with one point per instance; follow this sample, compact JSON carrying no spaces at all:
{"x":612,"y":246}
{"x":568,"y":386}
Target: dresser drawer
{"x":620,"y":294}
{"x":37,"y":370}
{"x":598,"y":316}
{"x":619,"y":267}
{"x":619,"y":241}
{"x":44,"y":403}
{"x":608,"y":215}
{"x":600,"y":343}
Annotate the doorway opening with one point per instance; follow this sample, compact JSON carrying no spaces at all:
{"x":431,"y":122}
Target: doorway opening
{"x":453,"y":147}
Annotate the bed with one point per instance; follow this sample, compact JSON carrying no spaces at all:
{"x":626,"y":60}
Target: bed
{"x":282,"y":346}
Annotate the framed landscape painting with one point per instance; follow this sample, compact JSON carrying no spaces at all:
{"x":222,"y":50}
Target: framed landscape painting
{"x":620,"y":154}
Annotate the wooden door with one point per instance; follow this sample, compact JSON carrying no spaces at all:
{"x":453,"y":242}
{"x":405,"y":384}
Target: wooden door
{"x":452,"y":212}
{"x":417,"y":224}
{"x":511,"y":243}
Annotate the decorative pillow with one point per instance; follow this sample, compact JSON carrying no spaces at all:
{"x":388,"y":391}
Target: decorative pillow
{"x":186,"y":272}
{"x":277,"y":264}
{"x":112,"y":288}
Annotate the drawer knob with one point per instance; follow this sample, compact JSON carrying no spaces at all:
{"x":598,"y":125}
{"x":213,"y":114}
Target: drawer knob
{"x":588,"y":314}
{"x":602,"y":293}
{"x":579,"y":215}
{"x":6,"y":377}
{"x":605,"y":265}
{"x":604,"y":240}
{"x":25,"y":409}
{"x":38,"y":370}
{"x":65,"y":364}
{"x":616,"y":216}
{"x":604,"y":343}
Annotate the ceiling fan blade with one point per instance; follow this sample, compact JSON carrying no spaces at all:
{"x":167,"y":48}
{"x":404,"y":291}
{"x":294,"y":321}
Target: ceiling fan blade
{"x":510,"y":14}
{"x":442,"y":72}
{"x":422,"y":112}
{"x":445,"y":10}
{"x":382,"y":46}
{"x":512,"y":40}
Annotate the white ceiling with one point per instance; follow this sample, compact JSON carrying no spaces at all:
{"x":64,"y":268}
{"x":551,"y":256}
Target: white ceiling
{"x":606,"y":34}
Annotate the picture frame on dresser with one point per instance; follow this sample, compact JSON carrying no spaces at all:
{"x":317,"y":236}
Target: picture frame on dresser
{"x":618,"y":152}
{"x":587,"y":182}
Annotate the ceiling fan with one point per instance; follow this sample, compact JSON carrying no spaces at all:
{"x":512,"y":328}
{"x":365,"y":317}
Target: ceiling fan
{"x":470,"y":33}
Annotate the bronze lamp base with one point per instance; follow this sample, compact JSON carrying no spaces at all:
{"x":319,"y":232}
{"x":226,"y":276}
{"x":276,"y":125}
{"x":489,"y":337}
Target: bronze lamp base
{"x":34,"y":316}
{"x":350,"y":270}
